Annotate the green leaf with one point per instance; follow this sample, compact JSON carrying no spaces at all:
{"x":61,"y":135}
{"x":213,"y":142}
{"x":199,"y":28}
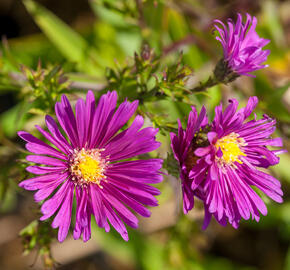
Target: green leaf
{"x":71,"y":44}
{"x":14,"y":119}
{"x":171,"y":165}
{"x":111,"y":16}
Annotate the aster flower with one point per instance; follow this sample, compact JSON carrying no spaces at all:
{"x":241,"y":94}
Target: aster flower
{"x":86,"y":163}
{"x":183,"y":146}
{"x":236,"y":149}
{"x":242,"y":47}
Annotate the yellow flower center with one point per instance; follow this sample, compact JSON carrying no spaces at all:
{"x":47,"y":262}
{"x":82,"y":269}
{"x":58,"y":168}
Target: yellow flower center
{"x":230,"y":147}
{"x":87,"y":166}
{"x":90,"y":168}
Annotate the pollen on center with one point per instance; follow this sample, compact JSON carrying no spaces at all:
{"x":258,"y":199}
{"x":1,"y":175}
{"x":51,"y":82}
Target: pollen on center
{"x":87,"y":166}
{"x":230,"y":146}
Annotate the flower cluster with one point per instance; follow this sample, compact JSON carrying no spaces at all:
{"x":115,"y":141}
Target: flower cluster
{"x":220,"y":161}
{"x":93,"y":157}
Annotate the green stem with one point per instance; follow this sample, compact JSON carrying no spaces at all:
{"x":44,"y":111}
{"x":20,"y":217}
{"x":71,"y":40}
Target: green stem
{"x":221,"y":74}
{"x":212,"y":81}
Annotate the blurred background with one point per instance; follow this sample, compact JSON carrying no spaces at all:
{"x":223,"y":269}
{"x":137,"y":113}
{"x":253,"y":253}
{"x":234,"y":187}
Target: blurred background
{"x":50,"y":47}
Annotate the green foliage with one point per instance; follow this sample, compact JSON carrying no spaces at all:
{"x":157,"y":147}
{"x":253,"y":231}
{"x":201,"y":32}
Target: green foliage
{"x":71,"y":44}
{"x":171,"y":165}
{"x":43,"y":87}
{"x":134,"y":80}
{"x":38,"y":236}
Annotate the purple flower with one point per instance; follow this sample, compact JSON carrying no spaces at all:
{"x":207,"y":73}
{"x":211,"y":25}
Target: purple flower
{"x":242,"y":47}
{"x":87,"y":164}
{"x":183,"y":145}
{"x":236,"y":150}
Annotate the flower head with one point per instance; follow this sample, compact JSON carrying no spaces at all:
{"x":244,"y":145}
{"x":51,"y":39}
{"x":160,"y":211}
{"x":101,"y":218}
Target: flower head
{"x":242,"y":47}
{"x":86,"y":163}
{"x":183,"y":145}
{"x":236,"y":149}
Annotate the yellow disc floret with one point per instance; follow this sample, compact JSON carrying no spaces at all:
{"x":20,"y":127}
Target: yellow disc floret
{"x":230,"y":146}
{"x":90,"y":168}
{"x":87,"y":166}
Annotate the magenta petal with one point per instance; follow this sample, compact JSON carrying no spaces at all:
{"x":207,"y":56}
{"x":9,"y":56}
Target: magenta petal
{"x":81,"y":122}
{"x":40,"y":181}
{"x":59,"y":141}
{"x":37,"y":146}
{"x":50,"y":206}
{"x":124,"y":145}
{"x":212,"y":137}
{"x":47,"y":189}
{"x":116,"y":221}
{"x":46,"y":161}
{"x":122,"y":211}
{"x":82,"y":214}
{"x":97,"y":206}
{"x":252,"y":103}
{"x":102,"y":116}
{"x":200,"y":152}
{"x":67,"y":120}
{"x":188,"y":199}
{"x":121,"y":116}
{"x":45,"y":170}
{"x":132,"y":203}
{"x":207,"y":218}
{"x":63,"y":217}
